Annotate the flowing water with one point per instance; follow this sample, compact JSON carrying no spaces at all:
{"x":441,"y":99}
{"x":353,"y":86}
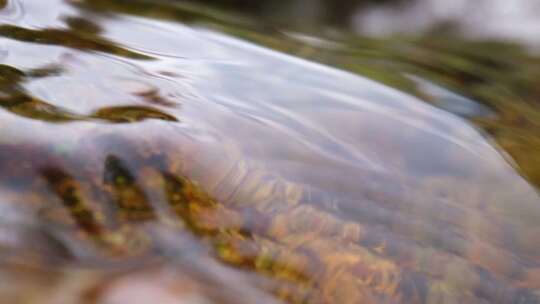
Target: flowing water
{"x":172,"y":152}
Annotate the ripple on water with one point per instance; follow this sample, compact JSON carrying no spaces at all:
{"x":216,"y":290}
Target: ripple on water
{"x":11,"y":10}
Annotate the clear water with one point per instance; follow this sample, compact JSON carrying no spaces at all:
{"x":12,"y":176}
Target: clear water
{"x":185,"y":153}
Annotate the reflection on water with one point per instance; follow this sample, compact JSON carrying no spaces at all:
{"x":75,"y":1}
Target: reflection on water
{"x":146,"y":153}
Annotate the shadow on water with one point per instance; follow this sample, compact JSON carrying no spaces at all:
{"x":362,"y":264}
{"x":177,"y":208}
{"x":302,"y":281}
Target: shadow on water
{"x":83,"y":34}
{"x":76,"y":39}
{"x":14,"y":99}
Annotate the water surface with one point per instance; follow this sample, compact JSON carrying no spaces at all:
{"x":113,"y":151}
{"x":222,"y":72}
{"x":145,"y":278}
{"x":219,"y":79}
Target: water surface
{"x":162,"y":141}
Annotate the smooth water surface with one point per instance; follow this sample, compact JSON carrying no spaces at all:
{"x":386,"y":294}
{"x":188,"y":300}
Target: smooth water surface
{"x":148,"y":154}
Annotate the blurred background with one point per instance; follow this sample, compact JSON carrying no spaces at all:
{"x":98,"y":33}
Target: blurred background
{"x":516,"y":20}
